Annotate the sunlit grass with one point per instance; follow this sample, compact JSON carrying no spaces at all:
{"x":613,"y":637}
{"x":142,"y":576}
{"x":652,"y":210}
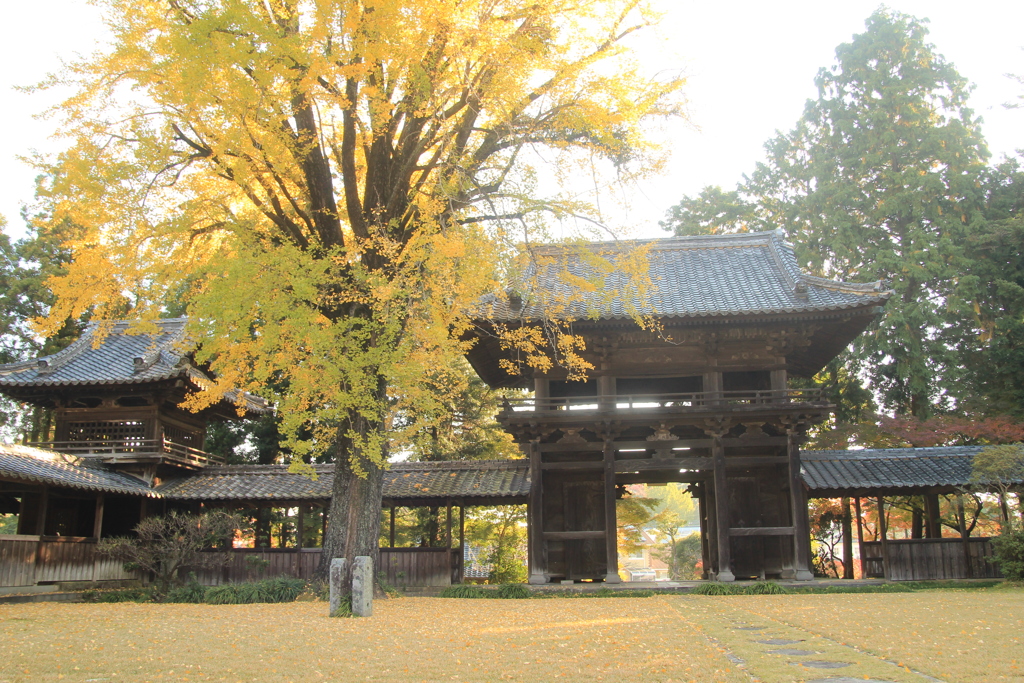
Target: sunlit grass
{"x":411,"y":639}
{"x":956,"y":636}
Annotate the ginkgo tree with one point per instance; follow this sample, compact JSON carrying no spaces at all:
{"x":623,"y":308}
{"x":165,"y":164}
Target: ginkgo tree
{"x":330,"y":185}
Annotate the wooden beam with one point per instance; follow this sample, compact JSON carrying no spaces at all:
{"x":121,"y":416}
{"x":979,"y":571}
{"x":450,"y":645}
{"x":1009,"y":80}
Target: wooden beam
{"x":573,"y":535}
{"x":391,"y":531}
{"x":722,"y":512}
{"x":574,"y":465}
{"x":762,"y":531}
{"x":755,"y":460}
{"x":610,"y":523}
{"x":644,"y":464}
{"x":847,"y":540}
{"x":598,"y":446}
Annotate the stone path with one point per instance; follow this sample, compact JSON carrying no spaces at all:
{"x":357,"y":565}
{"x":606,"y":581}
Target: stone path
{"x":770,"y":650}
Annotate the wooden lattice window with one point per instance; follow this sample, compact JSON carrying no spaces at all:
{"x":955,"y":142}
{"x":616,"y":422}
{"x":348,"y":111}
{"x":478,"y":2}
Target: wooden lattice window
{"x":183,"y":437}
{"x":122,"y":432}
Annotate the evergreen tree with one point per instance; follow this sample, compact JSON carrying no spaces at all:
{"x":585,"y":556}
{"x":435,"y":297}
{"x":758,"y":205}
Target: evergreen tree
{"x":880,"y":179}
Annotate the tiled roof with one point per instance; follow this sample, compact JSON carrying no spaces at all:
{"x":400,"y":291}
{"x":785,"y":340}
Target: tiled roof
{"x":692,"y":277}
{"x":122,"y":356}
{"x":469,"y":479}
{"x":888,"y":468}
{"x":55,"y":469}
{"x":407,"y":481}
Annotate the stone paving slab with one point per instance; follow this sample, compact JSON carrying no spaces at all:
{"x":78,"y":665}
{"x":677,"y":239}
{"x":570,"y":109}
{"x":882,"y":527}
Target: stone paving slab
{"x":725,"y":623}
{"x":823,"y":664}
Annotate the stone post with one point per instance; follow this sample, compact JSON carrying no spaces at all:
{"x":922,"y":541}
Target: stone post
{"x":337,"y":579}
{"x":362,"y":586}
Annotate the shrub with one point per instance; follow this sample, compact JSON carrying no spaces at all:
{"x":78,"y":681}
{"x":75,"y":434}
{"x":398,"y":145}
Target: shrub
{"x":278,"y":589}
{"x":192,"y":592}
{"x":163,"y":545}
{"x":765,"y":588}
{"x":1008,"y":555}
{"x":514,"y":591}
{"x":717,"y":588}
{"x":463,"y":591}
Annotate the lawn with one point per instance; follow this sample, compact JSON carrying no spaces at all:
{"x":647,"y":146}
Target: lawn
{"x":950,"y":635}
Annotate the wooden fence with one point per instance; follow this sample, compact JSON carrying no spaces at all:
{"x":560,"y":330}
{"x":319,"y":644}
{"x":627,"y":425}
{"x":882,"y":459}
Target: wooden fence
{"x":402,"y":566}
{"x":930,"y":558}
{"x":31,"y":560}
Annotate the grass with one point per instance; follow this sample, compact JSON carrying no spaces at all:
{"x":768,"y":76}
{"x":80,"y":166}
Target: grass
{"x":974,"y":636}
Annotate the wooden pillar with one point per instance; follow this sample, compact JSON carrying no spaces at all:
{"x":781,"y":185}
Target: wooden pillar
{"x":535,"y":520}
{"x":143,"y":508}
{"x":97,"y":523}
{"x":965,"y":535}
{"x":323,"y":523}
{"x":44,"y":504}
{"x":801,"y":525}
{"x":779,"y":379}
{"x":391,"y":530}
{"x":97,"y":533}
{"x":882,"y":532}
{"x":448,"y":524}
{"x":610,"y":522}
{"x":847,"y":541}
{"x":916,"y":521}
{"x":606,"y":392}
{"x":702,"y":513}
{"x":932,"y":523}
{"x":462,"y":541}
{"x":541,"y":390}
{"x":722,"y":522}
{"x":712,"y":522}
{"x":299,"y":529}
{"x":860,"y":537}
{"x":712,"y":383}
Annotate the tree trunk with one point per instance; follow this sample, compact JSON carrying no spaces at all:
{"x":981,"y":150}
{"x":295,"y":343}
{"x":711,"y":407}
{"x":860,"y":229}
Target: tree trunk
{"x":353,"y":518}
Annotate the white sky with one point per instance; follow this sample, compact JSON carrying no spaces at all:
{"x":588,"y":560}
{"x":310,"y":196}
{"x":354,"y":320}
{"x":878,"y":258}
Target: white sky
{"x":750,"y":64}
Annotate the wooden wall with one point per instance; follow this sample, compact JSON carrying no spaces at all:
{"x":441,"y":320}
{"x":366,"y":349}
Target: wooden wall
{"x":930,"y":558}
{"x":29,"y":560}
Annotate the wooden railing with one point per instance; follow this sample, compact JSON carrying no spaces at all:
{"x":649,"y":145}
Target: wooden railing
{"x":700,"y":400}
{"x":129,"y":449}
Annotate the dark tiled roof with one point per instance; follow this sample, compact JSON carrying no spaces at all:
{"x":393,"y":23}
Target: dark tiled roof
{"x":48,"y":467}
{"x":888,"y":468}
{"x":473,"y":479}
{"x":122,"y":356}
{"x":693,"y":277}
{"x":480,"y":478}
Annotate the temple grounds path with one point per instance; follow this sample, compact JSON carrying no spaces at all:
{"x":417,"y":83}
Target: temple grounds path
{"x":952,"y":636}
